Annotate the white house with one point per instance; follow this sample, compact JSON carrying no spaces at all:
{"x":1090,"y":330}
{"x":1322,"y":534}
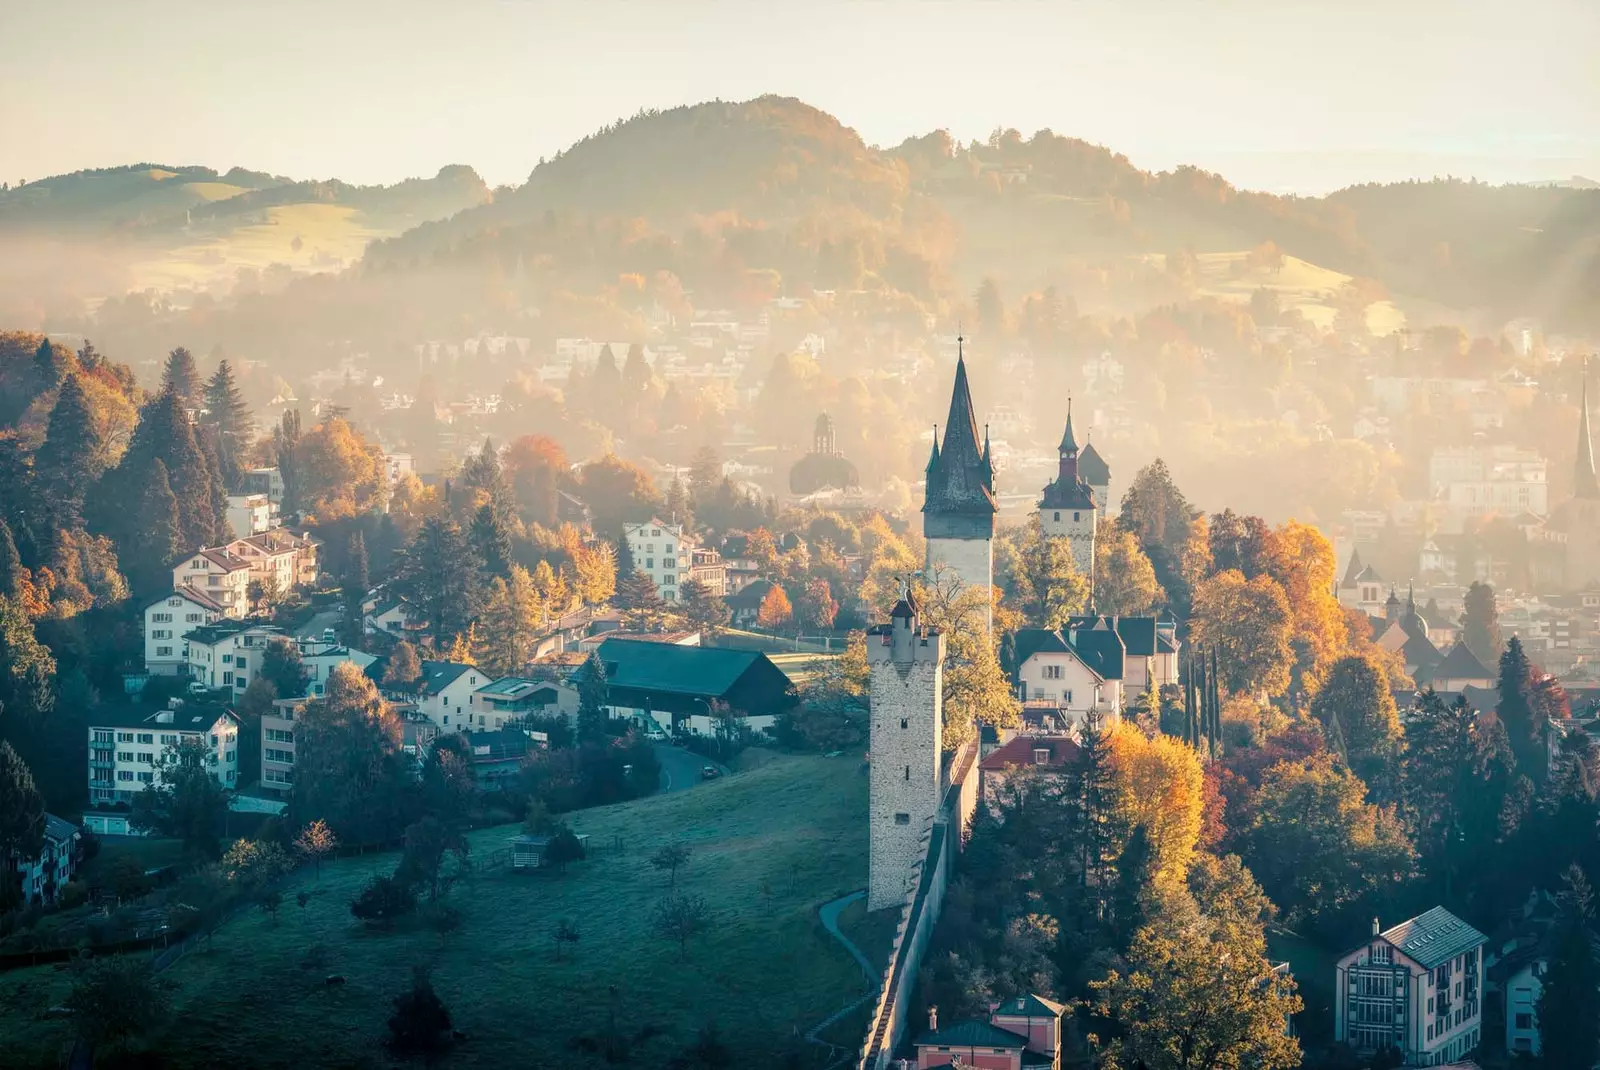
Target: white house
{"x":319,"y":661}
{"x":221,"y":575}
{"x":662,"y":552}
{"x":272,"y":557}
{"x":1416,"y":987}
{"x":444,"y":694}
{"x":501,"y":702}
{"x":1070,"y":671}
{"x":228,"y":654}
{"x":249,"y":514}
{"x":126,"y":748}
{"x":43,"y":876}
{"x":167,"y":620}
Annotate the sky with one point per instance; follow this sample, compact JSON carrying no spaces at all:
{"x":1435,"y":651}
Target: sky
{"x":1284,"y":95}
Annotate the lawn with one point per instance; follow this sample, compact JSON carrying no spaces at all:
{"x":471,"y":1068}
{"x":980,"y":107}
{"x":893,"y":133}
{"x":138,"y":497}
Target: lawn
{"x":770,"y":845}
{"x":1299,"y":284}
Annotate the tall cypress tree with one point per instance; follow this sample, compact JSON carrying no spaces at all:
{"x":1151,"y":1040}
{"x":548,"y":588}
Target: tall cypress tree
{"x":180,"y":376}
{"x":1516,"y":710}
{"x":68,"y":459}
{"x":216,"y":490}
{"x":491,"y":543}
{"x":1216,"y":706}
{"x":236,"y":427}
{"x":1190,"y":714}
{"x":286,"y":442}
{"x":1096,"y":798}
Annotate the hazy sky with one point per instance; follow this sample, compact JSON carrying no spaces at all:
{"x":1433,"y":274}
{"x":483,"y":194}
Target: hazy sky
{"x":1277,"y":94}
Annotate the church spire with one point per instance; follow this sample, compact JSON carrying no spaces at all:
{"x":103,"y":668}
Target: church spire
{"x":1584,"y":482}
{"x":960,"y":479}
{"x":1069,"y":441}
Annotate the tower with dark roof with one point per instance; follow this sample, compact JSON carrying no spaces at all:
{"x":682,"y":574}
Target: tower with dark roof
{"x":1097,"y":473}
{"x":1585,"y":485}
{"x":959,"y":506}
{"x":1067,"y":509}
{"x":1580,"y":517}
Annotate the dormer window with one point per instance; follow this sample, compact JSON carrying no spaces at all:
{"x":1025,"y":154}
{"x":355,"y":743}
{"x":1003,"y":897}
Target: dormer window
{"x":1041,"y":756}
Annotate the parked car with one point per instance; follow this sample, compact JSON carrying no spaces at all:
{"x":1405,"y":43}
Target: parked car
{"x":709,"y":772}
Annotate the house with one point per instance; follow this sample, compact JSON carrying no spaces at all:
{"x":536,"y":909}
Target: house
{"x":1049,"y":754}
{"x":706,"y":567}
{"x":1024,"y":1032}
{"x":167,"y":619}
{"x":442,"y":694}
{"x":682,"y":688}
{"x":44,"y":875}
{"x":278,"y":743}
{"x":390,"y":617}
{"x":1070,"y":671}
{"x":227,"y":655}
{"x":273,"y":558}
{"x":512,"y":698}
{"x":497,"y":756}
{"x":663,"y":552}
{"x":1457,"y":670}
{"x":745,"y":603}
{"x":249,"y":514}
{"x":1416,"y":987}
{"x":268,"y":481}
{"x":319,"y":663}
{"x":1150,"y":649}
{"x":222,"y":576}
{"x":126,"y":746}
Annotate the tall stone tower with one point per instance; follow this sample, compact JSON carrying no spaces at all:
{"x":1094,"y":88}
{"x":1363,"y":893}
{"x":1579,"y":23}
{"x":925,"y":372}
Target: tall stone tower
{"x":1068,"y":508}
{"x":907,"y":663}
{"x":1582,"y":513}
{"x":959,"y":508}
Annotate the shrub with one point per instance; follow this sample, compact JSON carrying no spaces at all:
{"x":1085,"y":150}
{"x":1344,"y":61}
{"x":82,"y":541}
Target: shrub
{"x":421,"y":1021}
{"x":384,"y":899}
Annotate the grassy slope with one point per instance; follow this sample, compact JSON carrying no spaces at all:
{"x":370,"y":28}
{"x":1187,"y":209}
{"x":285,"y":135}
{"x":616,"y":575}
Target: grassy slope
{"x":763,"y":969}
{"x":1299,"y":285}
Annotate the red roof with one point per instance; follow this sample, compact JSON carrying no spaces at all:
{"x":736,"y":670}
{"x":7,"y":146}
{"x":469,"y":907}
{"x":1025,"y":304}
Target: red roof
{"x":1021,"y":750}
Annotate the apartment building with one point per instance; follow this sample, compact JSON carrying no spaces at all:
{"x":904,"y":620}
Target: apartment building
{"x":1416,"y":987}
{"x":168,"y":619}
{"x":44,"y":875}
{"x":278,"y":744}
{"x":227,"y":655}
{"x":222,"y":576}
{"x":661,"y":552}
{"x":127,"y":745}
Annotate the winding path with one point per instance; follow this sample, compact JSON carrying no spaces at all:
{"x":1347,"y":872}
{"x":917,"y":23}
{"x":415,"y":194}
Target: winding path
{"x":829,"y":915}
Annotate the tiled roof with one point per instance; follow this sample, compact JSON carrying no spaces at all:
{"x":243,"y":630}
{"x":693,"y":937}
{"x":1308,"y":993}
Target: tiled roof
{"x":1461,"y":663}
{"x":217,"y":556}
{"x":438,"y":675}
{"x":1101,"y":649}
{"x":671,"y":669}
{"x":1434,"y":937}
{"x":1030,"y":1006}
{"x":970,"y":1033}
{"x":192,"y":593}
{"x":1020,"y":751}
{"x":59,"y":830}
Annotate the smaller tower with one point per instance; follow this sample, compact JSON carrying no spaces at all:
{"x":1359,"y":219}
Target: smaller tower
{"x":1097,"y":473}
{"x":823,"y":441}
{"x":907,"y":741}
{"x":1068,"y":508}
{"x":1585,"y":484}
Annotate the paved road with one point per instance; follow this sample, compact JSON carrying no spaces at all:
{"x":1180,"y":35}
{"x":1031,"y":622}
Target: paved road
{"x":680,"y":766}
{"x":829,"y":913}
{"x":313,"y":628}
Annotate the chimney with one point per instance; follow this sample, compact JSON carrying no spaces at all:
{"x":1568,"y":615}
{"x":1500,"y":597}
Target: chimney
{"x":1375,"y":927}
{"x":933,"y":1019}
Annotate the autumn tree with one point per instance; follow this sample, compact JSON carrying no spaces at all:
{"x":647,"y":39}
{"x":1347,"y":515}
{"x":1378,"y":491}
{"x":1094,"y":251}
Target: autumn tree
{"x":1157,"y":514}
{"x":1046,"y":585}
{"x":1156,"y":785}
{"x":404,"y":668}
{"x":1250,"y":625}
{"x":1356,"y":707}
{"x":1125,"y":583}
{"x":510,"y":624}
{"x":349,"y":769}
{"x":338,"y":473}
{"x":976,"y":688}
{"x":536,"y":467}
{"x":775,"y":612}
{"x":817,"y":607}
{"x":616,"y":493}
{"x":316,"y":841}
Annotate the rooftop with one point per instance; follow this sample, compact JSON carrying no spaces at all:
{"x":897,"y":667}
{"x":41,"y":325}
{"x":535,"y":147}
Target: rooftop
{"x":672,"y":669}
{"x":1433,"y":938}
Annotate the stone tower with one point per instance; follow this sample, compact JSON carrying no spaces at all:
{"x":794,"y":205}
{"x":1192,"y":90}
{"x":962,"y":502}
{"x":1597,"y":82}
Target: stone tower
{"x":959,"y":508}
{"x":1068,"y":508}
{"x":1582,"y":513}
{"x":907,"y":663}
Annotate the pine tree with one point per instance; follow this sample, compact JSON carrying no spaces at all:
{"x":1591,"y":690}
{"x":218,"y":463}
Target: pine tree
{"x":236,"y":427}
{"x":605,"y":386}
{"x":1480,"y":623}
{"x":10,"y":563}
{"x":491,"y":543}
{"x":637,"y":591}
{"x":434,"y":574}
{"x":483,"y":477}
{"x":164,"y":434}
{"x":1216,"y":707}
{"x":354,"y":586}
{"x":159,"y":534}
{"x":1569,"y":1003}
{"x":1093,"y":779}
{"x":625,"y":565}
{"x":216,"y":488}
{"x":47,"y":367}
{"x":1517,"y":681}
{"x":511,"y":618}
{"x":1191,"y":715}
{"x":593,"y":695}
{"x":677,"y":504}
{"x":69,"y":459}
{"x":181,"y":377}
{"x":285,"y":443}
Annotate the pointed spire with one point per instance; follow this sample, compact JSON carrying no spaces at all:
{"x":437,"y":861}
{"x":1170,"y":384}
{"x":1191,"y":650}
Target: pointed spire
{"x":933,"y":458}
{"x":1069,"y":441}
{"x":960,"y":477}
{"x":1584,"y":483}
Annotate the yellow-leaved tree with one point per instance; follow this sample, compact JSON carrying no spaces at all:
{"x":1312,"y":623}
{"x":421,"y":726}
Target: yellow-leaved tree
{"x":1158,"y":786}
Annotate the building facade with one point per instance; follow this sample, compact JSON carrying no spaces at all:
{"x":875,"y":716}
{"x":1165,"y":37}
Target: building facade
{"x":126,"y":748}
{"x":959,"y":507}
{"x":167,"y":620}
{"x":1415,"y":987}
{"x":661,"y":552}
{"x":1068,"y":508}
{"x":907,"y":749}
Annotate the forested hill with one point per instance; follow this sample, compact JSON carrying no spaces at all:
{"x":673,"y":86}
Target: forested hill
{"x":1015,"y":207}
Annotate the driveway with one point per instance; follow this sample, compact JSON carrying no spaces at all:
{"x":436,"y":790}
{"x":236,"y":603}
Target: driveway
{"x":313,"y":628}
{"x":680,"y":767}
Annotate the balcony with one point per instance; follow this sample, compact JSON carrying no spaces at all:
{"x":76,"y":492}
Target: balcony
{"x":102,"y":763}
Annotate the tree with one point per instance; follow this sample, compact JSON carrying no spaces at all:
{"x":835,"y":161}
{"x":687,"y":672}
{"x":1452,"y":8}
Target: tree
{"x":990,"y":308}
{"x":184,"y":801}
{"x":1045,"y":581}
{"x":353,"y":585}
{"x":1569,"y":1002}
{"x":71,"y":457}
{"x":490,"y":542}
{"x":315,"y":841}
{"x":253,"y":864}
{"x":1155,"y":784}
{"x":227,"y":412}
{"x":593,"y":696}
{"x":1317,"y":845}
{"x":404,"y":668}
{"x":705,"y":472}
{"x":420,"y":1023}
{"x":670,"y":857}
{"x":1480,"y":623}
{"x":636,"y":591}
{"x":817,"y":608}
{"x":617,"y":492}
{"x":1528,"y":700}
{"x":775,"y":611}
{"x":384,"y":899}
{"x":21,"y":818}
{"x":566,"y":932}
{"x":681,"y":918}
{"x":976,"y":688}
{"x":181,"y":378}
{"x":282,"y":665}
{"x":434,"y":576}
{"x":427,"y":843}
{"x":1125,"y":583}
{"x":705,"y":610}
{"x":27,"y":672}
{"x":511,"y":619}
{"x":564,"y":848}
{"x":1249,"y":624}
{"x":166,"y":436}
{"x":149,"y":554}
{"x":115,"y":998}
{"x":349,"y":768}
{"x":286,"y":449}
{"x":10,"y":564}
{"x":536,"y":466}
{"x":1455,"y":775}
{"x":1356,"y":698}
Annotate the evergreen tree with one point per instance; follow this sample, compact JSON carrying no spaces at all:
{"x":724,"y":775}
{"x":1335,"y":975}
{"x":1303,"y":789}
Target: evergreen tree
{"x":593,"y":694}
{"x":10,"y":563}
{"x":69,"y":459}
{"x":677,"y":503}
{"x":48,"y":367}
{"x":285,"y":447}
{"x":705,"y":472}
{"x":704,"y":609}
{"x":1480,"y":623}
{"x":637,"y":377}
{"x":217,"y":488}
{"x":483,"y":479}
{"x":354,"y":585}
{"x":164,"y":434}
{"x":491,"y":543}
{"x":510,"y":625}
{"x":1129,"y":896}
{"x":236,"y":427}
{"x":181,"y":377}
{"x":157,"y":539}
{"x":605,"y":386}
{"x":637,"y":591}
{"x":21,"y":820}
{"x":1355,"y":701}
{"x":1216,"y":707}
{"x":1518,"y":678}
{"x":1569,"y":1003}
{"x":434,"y":575}
{"x":1095,"y":786}
{"x":625,"y":565}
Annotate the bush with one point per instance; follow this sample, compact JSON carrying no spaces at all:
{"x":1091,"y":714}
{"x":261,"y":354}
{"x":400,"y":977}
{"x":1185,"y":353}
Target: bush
{"x":421,"y":1021}
{"x":384,"y":899}
{"x":73,"y":894}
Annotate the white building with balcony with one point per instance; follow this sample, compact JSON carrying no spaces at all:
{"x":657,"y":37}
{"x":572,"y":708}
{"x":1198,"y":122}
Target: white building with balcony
{"x":167,"y":620}
{"x":127,"y":747}
{"x":222,"y":576}
{"x":663,"y":552}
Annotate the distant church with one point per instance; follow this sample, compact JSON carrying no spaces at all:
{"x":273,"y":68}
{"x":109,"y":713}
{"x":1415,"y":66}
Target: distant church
{"x":1073,"y":501}
{"x":824,"y":467}
{"x":1579,"y":518}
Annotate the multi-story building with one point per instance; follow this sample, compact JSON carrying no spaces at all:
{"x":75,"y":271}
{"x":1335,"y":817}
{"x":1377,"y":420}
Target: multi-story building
{"x":511,"y":698}
{"x":227,"y":654}
{"x":277,"y":744}
{"x":273,"y":558}
{"x":1416,"y":987}
{"x":1476,"y":480}
{"x":268,"y":481}
{"x":707,"y":567}
{"x":167,"y":620}
{"x":44,"y":875}
{"x":127,"y":745}
{"x":222,"y":576}
{"x":1070,"y":671}
{"x":249,"y":514}
{"x":662,"y":552}
{"x":443,"y":694}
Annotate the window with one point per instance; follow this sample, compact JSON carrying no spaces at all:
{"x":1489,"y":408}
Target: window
{"x":169,"y":740}
{"x":163,"y":652}
{"x":1052,"y":672}
{"x":1041,"y":756}
{"x":147,"y":737}
{"x":908,"y":772}
{"x":905,"y":722}
{"x":1058,"y":514}
{"x":1075,"y":517}
{"x":1524,"y":1021}
{"x":277,"y":754}
{"x":161,"y":618}
{"x":669,"y":562}
{"x":124,"y":755}
{"x":227,"y":679}
{"x":124,"y":774}
{"x":146,"y":758}
{"x":145,"y":778}
{"x":902,"y":819}
{"x":649,"y":562}
{"x":103,"y":737}
{"x":278,"y":735}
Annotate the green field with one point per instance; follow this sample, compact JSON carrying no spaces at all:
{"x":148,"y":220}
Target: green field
{"x":770,"y":846}
{"x":1299,"y":284}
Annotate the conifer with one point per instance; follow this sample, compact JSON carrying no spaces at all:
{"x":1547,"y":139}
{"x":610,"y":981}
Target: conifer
{"x":180,"y":376}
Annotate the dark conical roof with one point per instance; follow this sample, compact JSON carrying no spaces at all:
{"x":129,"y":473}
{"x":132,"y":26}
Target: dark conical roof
{"x":960,"y":480}
{"x":1093,"y":467}
{"x":1069,"y":441}
{"x":1584,"y":482}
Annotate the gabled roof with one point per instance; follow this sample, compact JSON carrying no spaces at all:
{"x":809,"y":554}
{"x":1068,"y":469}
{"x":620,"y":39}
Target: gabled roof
{"x":1353,"y":571}
{"x":1030,"y":1006}
{"x":511,"y":686}
{"x":192,"y":593}
{"x":1138,"y":633}
{"x":1092,"y":468}
{"x":970,"y":1034}
{"x":750,"y":595}
{"x":1101,"y":649}
{"x":1369,"y":575}
{"x":1059,"y":493}
{"x":1019,"y":751}
{"x":218,"y":556}
{"x":670,"y":669}
{"x":438,"y":675}
{"x":1419,"y":650}
{"x":59,"y":830}
{"x":1433,"y":938}
{"x":1030,"y":641}
{"x":1461,"y":664}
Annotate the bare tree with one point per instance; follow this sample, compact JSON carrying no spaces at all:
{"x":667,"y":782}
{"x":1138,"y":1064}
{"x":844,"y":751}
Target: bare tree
{"x":681,"y":918}
{"x":671,"y":857}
